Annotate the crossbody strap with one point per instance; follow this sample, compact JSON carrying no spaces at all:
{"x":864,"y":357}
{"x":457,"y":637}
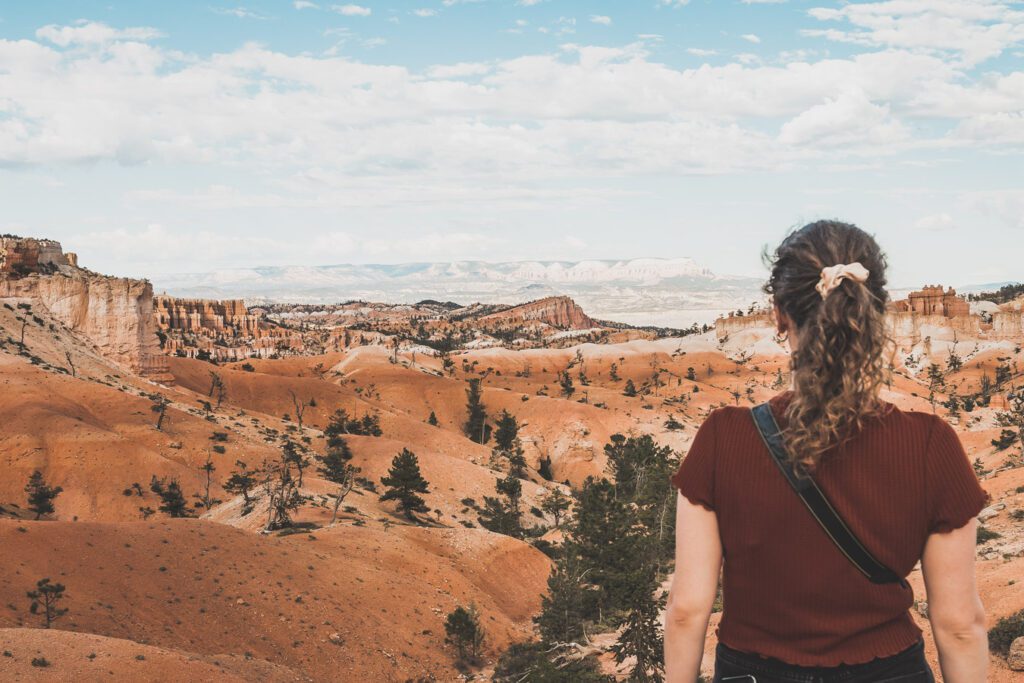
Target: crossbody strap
{"x":818,"y":504}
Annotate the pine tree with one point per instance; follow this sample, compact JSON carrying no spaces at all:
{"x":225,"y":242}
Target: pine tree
{"x":335,"y":468}
{"x":476,"y":427}
{"x":432,"y":420}
{"x":172,"y":501}
{"x":241,"y":481}
{"x":47,"y":596}
{"x":507,"y":431}
{"x":463,"y":630}
{"x":504,"y":516}
{"x":403,"y":482}
{"x":292,"y":454}
{"x":630,"y":389}
{"x":606,"y":534}
{"x":556,"y":504}
{"x":641,"y":470}
{"x":563,"y":607}
{"x":613,"y":372}
{"x":204,"y":499}
{"x":160,"y":408}
{"x":40,"y":494}
{"x":281,"y":489}
{"x":641,"y":637}
{"x":565,"y":381}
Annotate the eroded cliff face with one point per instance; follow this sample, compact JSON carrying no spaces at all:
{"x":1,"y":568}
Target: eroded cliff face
{"x":560,"y":312}
{"x":732,"y":323}
{"x":206,"y":317}
{"x":115,"y":314}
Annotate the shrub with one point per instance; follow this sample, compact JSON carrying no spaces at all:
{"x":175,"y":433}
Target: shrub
{"x":1006,"y":630}
{"x":985,"y":534}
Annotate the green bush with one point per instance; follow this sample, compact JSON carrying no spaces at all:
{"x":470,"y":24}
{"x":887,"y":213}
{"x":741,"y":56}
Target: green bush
{"x":1006,"y":630}
{"x":986,"y":534}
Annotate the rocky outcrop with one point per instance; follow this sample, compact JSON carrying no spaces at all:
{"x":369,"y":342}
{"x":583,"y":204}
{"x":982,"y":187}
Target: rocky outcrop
{"x":113,"y":313}
{"x":933,"y":300}
{"x":22,"y":256}
{"x":559,"y":312}
{"x":909,"y":328}
{"x":219,"y":330}
{"x":732,"y":323}
{"x":205,"y":316}
{"x":1008,"y":325}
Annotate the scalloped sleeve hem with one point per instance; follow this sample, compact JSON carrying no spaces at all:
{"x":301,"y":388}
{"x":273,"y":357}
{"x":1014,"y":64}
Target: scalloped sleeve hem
{"x":695,"y":478}
{"x":954,"y":492}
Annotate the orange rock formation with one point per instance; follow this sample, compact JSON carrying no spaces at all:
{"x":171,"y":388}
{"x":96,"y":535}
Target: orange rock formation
{"x":932,"y":300}
{"x":113,"y":313}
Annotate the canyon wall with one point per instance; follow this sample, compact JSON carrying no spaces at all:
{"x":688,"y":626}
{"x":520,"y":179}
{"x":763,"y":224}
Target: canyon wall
{"x":733,"y":323}
{"x":1008,"y":324}
{"x":115,"y":314}
{"x":934,"y":312}
{"x":223,"y":331}
{"x":560,"y":312}
{"x":205,"y":317}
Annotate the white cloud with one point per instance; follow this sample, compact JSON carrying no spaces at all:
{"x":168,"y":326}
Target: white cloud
{"x":460,"y":70}
{"x":425,"y":12}
{"x":92,"y":93}
{"x":701,"y":52}
{"x":673,"y":3}
{"x":305,"y":4}
{"x":762,"y":2}
{"x":850,"y":118}
{"x":240,"y":12}
{"x":601,"y":19}
{"x":935,"y":222}
{"x":352,"y":10}
{"x":94,"y":33}
{"x":750,"y":38}
{"x":976,"y":31}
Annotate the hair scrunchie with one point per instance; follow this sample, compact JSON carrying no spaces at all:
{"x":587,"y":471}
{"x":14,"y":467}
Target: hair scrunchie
{"x":831,"y":276}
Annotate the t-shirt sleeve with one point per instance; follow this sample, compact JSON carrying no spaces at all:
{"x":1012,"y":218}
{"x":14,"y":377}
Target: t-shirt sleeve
{"x":954,"y":493}
{"x":695,"y":477}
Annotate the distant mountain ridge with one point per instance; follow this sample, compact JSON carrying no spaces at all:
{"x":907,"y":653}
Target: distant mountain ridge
{"x":645,"y":291}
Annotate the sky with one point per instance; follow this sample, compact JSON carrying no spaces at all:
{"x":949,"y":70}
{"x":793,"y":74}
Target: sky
{"x":154,"y":137}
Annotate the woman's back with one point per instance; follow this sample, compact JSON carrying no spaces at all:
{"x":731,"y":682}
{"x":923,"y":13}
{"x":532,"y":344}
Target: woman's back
{"x":788,"y":591}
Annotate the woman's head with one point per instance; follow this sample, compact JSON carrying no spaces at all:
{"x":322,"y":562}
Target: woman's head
{"x":839,"y":363}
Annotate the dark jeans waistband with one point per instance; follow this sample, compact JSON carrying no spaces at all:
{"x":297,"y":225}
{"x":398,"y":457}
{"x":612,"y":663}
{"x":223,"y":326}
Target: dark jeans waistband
{"x":907,"y":662}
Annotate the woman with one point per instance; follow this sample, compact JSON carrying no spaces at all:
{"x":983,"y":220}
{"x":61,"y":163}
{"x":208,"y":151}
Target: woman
{"x":795,"y":608}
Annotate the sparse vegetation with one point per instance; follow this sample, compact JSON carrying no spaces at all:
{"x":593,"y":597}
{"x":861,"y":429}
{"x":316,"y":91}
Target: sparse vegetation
{"x":46,"y":600}
{"x":476,"y":427}
{"x":463,"y":630}
{"x":336,"y":468}
{"x":41,"y":495}
{"x":404,"y":482}
{"x":172,"y":501}
{"x":1006,"y":630}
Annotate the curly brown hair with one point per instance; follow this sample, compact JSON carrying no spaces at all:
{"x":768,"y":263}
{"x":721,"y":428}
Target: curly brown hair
{"x":841,"y":362}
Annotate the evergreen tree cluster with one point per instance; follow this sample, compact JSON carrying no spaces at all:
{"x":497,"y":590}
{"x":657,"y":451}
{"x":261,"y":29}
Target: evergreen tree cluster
{"x":618,"y":546}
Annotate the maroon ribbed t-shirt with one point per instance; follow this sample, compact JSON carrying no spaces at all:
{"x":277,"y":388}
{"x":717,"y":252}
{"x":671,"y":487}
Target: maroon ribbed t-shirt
{"x":787,"y":591}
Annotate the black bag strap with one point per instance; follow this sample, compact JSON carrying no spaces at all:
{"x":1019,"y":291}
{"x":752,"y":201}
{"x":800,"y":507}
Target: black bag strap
{"x":818,"y":504}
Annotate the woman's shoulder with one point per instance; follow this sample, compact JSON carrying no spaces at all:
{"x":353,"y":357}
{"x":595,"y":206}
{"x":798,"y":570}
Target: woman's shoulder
{"x":909,"y":419}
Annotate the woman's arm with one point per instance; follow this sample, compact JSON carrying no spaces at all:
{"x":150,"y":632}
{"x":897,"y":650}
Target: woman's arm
{"x":954,"y":608}
{"x":694,"y":586}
